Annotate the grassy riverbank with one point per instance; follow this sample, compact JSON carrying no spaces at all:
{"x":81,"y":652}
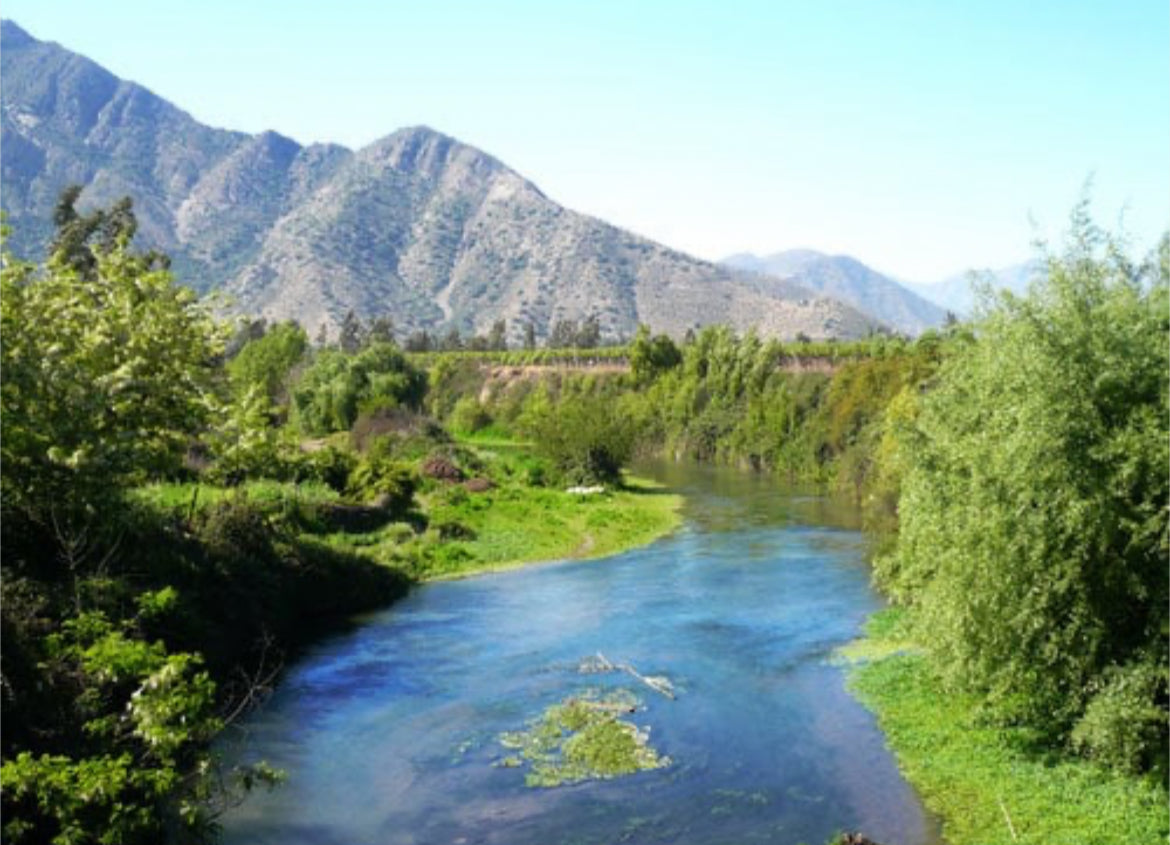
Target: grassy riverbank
{"x":452,"y":532}
{"x":985,"y":781}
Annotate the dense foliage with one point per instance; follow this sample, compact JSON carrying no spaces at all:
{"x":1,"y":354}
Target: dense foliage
{"x":1033,"y":539}
{"x":123,"y":627}
{"x":1016,"y":470}
{"x":337,"y":387}
{"x":107,"y":375}
{"x":265,"y":363}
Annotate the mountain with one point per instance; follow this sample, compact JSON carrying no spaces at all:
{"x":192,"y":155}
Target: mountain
{"x":847,"y":280}
{"x":416,"y":226}
{"x":957,"y":293}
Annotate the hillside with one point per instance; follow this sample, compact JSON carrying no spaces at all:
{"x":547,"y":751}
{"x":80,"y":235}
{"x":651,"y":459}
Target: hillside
{"x":416,"y":226}
{"x":847,"y":280}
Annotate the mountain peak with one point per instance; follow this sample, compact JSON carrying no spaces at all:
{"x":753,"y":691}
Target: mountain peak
{"x":417,"y":226}
{"x":848,"y":280}
{"x":11,"y":35}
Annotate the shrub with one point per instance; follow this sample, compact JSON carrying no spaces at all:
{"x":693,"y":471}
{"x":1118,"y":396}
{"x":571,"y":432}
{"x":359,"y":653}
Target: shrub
{"x":379,"y":477}
{"x":1124,"y":725}
{"x":468,"y":416}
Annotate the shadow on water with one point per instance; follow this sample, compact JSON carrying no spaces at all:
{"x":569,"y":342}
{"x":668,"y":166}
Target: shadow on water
{"x":390,"y":732}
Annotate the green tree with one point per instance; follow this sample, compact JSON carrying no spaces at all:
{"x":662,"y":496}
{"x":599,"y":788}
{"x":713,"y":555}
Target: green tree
{"x":337,"y":387}
{"x":351,"y":336}
{"x":1034,"y":507}
{"x":264,"y":363}
{"x":563,"y":335}
{"x":650,"y":357}
{"x":107,"y":375}
{"x":584,"y":439}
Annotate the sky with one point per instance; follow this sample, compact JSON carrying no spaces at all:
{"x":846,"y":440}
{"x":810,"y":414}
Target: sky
{"x":923,"y":138}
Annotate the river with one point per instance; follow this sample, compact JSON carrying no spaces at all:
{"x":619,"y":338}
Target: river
{"x":389,"y":732}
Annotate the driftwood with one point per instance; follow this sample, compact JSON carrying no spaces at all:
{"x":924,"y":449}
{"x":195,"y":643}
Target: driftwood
{"x":660,"y":685}
{"x":855,"y":839}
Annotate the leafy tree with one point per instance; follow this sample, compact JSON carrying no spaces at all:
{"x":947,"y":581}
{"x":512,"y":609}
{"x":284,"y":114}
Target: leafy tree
{"x":452,"y":341}
{"x":586,"y":441}
{"x":108,"y":373}
{"x":529,"y":336}
{"x":337,"y":387}
{"x":650,"y":357}
{"x":589,"y":335}
{"x":381,"y":330}
{"x":419,"y":341}
{"x":264,"y":363}
{"x":81,"y":238}
{"x":1034,"y":506}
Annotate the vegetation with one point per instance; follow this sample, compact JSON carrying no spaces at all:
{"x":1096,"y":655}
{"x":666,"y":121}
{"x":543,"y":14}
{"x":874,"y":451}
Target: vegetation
{"x":582,"y":738}
{"x":121,"y":626}
{"x":178,"y":510}
{"x":1033,"y":533}
{"x":986,"y":780}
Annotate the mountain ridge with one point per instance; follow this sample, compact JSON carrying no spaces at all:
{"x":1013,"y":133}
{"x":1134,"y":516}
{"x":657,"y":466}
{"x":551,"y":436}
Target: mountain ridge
{"x":417,"y":226}
{"x":844,"y":278}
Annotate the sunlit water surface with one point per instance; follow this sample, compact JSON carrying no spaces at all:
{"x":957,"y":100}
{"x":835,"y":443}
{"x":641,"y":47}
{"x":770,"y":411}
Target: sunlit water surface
{"x":388,"y":733}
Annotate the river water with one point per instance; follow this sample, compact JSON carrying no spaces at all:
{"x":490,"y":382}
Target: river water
{"x":388,"y":733}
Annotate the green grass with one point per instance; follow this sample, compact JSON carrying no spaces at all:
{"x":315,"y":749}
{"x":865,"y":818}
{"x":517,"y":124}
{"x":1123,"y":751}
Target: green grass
{"x":172,"y":496}
{"x":977,"y":777}
{"x":513,"y":525}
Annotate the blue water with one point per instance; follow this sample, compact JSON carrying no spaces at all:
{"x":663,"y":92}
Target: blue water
{"x":388,"y":733}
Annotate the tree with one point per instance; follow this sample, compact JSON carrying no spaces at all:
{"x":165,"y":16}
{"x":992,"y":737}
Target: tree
{"x":351,"y":336}
{"x":452,"y":340}
{"x":650,"y":357}
{"x":589,"y":335}
{"x":1034,"y":510}
{"x":585,"y":440}
{"x":81,"y":238}
{"x":419,"y":341}
{"x":497,"y":338}
{"x":264,"y":363}
{"x":108,"y":373}
{"x":529,"y":336}
{"x":381,"y":330}
{"x":337,"y":387}
{"x":563,"y":335}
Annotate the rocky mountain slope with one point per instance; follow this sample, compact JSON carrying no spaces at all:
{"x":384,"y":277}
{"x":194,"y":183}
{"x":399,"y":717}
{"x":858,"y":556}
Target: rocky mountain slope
{"x":848,"y":280}
{"x":417,"y":226}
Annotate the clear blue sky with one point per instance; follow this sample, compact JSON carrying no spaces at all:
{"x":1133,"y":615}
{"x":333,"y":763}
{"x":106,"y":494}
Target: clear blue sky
{"x":921,"y":137}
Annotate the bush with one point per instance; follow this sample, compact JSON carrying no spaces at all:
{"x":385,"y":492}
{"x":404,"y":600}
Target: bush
{"x":583,"y":440}
{"x":468,"y":416}
{"x":337,"y":387}
{"x":1124,"y":725}
{"x":330,"y":466}
{"x":1033,"y":512}
{"x":378,"y":477}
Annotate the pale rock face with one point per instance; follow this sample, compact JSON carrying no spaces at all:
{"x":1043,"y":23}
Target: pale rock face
{"x":416,"y":226}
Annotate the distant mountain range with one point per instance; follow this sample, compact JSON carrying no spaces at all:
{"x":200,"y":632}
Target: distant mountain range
{"x":847,"y":280}
{"x":416,"y":226}
{"x":958,"y":293}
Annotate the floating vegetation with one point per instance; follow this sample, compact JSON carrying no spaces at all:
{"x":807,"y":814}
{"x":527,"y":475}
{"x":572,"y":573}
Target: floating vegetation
{"x":582,"y":738}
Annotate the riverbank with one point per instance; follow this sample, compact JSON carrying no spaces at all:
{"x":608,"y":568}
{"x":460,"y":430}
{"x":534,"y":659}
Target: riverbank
{"x":454,"y":532}
{"x":982,"y":780}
